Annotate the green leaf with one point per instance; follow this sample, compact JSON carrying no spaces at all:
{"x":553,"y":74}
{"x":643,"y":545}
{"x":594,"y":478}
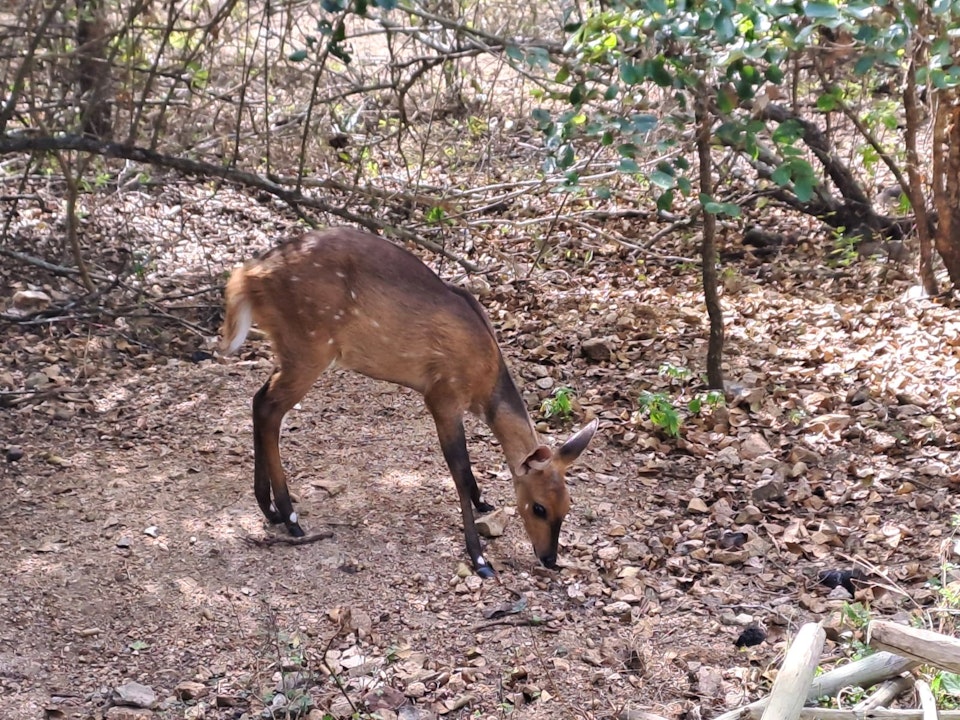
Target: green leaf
{"x":827,"y":103}
{"x":562,"y":75}
{"x":297,"y":56}
{"x":514,"y":53}
{"x":578,"y":94}
{"x":566,"y":156}
{"x":803,"y":188}
{"x":774,"y":74}
{"x":950,"y":683}
{"x":628,"y":166}
{"x":386,"y":4}
{"x":631,"y":73}
{"x":781,"y":176}
{"x":820,"y":10}
{"x":665,"y":201}
{"x":663,"y":180}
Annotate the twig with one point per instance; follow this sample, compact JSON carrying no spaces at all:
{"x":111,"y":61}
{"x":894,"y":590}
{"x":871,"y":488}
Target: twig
{"x":271,"y":540}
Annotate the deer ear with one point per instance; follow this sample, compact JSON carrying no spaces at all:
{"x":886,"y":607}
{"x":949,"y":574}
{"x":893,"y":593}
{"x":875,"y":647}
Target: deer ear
{"x":537,"y":460}
{"x":572,"y":448}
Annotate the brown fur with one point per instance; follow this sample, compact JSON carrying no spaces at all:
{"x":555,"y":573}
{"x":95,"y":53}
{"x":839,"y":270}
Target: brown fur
{"x":351,"y":298}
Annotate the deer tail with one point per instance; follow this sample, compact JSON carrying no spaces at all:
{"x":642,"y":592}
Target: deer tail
{"x":239,"y":313}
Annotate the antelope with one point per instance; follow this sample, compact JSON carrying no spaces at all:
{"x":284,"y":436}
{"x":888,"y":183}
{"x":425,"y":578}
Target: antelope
{"x":348,"y":298}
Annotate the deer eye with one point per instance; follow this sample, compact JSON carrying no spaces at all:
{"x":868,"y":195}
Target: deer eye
{"x":540,"y":511}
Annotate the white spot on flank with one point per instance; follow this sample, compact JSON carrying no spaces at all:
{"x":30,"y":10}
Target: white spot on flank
{"x":340,"y":274}
{"x":316,"y":264}
{"x":330,"y":341}
{"x":293,"y":517}
{"x":353,"y":295}
{"x":312,"y":333}
{"x":338,"y":315}
{"x":295,"y":278}
{"x":375,"y":323}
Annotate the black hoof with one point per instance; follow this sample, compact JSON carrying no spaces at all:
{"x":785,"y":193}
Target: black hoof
{"x":295,"y":529}
{"x":485,"y":507}
{"x":273,"y":517}
{"x":486,"y":572}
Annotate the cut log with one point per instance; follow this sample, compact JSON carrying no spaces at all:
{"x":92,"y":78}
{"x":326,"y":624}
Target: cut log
{"x":789,"y":692}
{"x":922,"y":645}
{"x":878,"y":714}
{"x":864,"y":673}
{"x":886,"y":693}
{"x":927,"y":702}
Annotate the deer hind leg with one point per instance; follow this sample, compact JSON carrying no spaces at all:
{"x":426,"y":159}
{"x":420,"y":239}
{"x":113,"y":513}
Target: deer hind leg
{"x":453,"y":442}
{"x":285,"y":388}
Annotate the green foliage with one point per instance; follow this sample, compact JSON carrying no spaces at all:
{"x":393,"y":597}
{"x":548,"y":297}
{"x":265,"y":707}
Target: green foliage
{"x":560,"y":405}
{"x":665,"y":412}
{"x":659,"y":408}
{"x":631,"y":55}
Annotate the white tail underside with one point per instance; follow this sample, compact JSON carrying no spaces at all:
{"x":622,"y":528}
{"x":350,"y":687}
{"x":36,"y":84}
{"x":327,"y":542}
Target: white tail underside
{"x":244,"y":323}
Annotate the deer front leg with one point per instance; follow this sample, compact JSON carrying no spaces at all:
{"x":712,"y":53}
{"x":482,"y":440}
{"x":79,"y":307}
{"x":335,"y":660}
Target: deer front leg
{"x":453,"y":442}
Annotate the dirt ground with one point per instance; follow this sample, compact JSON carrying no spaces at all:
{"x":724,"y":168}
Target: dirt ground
{"x":126,"y":535}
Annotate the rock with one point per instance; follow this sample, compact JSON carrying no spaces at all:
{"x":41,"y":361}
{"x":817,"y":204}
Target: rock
{"x":384,"y":698}
{"x":133,"y":694}
{"x":697,"y":505}
{"x":129,"y":713}
{"x":415,"y":690}
{"x":609,"y":554}
{"x":544,"y":383}
{"x":14,"y":453}
{"x":493,"y":523}
{"x":153,"y":531}
{"x":753,"y":446}
{"x":617,"y":609}
{"x":190,"y":690}
{"x":596,"y":349}
{"x":749,"y":515}
{"x":770,"y":492}
{"x":123,"y":543}
{"x":26,"y":301}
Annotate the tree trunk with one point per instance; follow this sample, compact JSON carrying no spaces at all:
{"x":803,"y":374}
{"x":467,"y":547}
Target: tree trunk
{"x":946,"y":179}
{"x":915,"y":189}
{"x":709,"y":248}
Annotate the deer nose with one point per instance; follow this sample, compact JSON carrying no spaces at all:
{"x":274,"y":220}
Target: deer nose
{"x":549,"y":560}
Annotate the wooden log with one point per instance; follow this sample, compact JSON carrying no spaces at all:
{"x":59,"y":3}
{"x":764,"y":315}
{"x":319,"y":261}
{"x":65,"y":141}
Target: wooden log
{"x":923,"y":645}
{"x":886,"y":693}
{"x":877,"y":714}
{"x":789,"y":692}
{"x":864,"y":673}
{"x":927,"y":702}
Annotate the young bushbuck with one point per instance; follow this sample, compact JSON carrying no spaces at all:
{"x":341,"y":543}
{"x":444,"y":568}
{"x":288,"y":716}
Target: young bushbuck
{"x":349,"y":298}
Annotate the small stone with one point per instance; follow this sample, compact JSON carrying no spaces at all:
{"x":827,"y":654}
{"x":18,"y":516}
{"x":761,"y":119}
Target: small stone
{"x":134,"y":694}
{"x":153,"y":531}
{"x":14,"y":453}
{"x":123,"y":543}
{"x":769,"y":492}
{"x":544,"y":383}
{"x":753,"y":446}
{"x":473,"y":582}
{"x":596,"y":349}
{"x":617,"y":609}
{"x":30,"y":300}
{"x":697,"y":505}
{"x":415,"y":690}
{"x":749,"y":515}
{"x":609,"y":553}
{"x":493,"y":523}
{"x":128,"y":713}
{"x":190,"y":690}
